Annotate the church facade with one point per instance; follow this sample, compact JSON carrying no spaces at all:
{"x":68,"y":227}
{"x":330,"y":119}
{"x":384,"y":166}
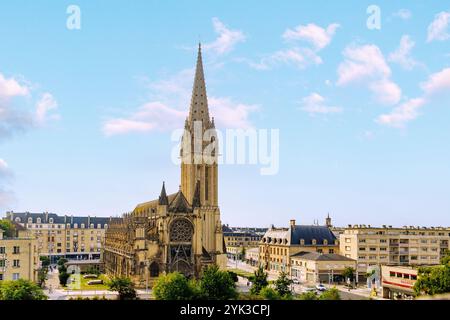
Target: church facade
{"x":180,"y":231}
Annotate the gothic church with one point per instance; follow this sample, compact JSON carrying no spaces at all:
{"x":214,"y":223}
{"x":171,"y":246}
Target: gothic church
{"x":176,"y":232}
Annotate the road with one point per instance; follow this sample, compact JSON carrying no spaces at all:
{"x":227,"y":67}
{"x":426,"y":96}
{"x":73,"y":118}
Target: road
{"x":361,"y":293}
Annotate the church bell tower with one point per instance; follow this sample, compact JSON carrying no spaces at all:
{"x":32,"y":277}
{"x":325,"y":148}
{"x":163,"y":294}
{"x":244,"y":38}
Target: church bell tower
{"x":199,"y":145}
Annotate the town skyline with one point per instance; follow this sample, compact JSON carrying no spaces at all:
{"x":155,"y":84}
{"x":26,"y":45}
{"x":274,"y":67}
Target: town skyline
{"x":360,"y":115}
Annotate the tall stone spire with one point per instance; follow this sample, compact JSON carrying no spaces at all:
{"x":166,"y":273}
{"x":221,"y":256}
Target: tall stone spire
{"x":199,"y":102}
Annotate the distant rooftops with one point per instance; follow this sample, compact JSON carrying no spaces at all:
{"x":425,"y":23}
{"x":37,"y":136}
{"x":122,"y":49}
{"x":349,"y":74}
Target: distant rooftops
{"x":53,"y":218}
{"x":315,"y":256}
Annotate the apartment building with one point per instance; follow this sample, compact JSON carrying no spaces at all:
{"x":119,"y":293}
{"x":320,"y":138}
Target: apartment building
{"x":238,"y":242}
{"x":279,"y":244}
{"x":19,"y":258}
{"x":70,"y":237}
{"x":372,"y":246}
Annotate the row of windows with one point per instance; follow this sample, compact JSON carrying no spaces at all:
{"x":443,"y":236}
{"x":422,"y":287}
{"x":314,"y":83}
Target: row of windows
{"x":15,"y":263}
{"x":68,"y":226}
{"x":15,"y":276}
{"x":16,"y":250}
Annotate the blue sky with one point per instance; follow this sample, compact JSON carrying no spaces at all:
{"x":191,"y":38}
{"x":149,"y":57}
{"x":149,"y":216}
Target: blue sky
{"x":86,"y":115}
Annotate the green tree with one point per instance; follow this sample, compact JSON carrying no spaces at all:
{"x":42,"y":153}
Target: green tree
{"x":269,"y":293}
{"x":217,"y":284}
{"x":233,"y":276}
{"x":433,"y":280}
{"x":259,"y":281}
{"x":283,"y":284}
{"x":330,"y":294}
{"x":243,"y":253}
{"x":175,"y":286}
{"x":21,"y":290}
{"x":42,"y":275}
{"x":62,"y":261}
{"x":445,"y":260}
{"x":348,"y":273}
{"x":45,"y":261}
{"x":124,"y":286}
{"x":8,"y":227}
{"x":63,"y":277}
{"x":310,"y":295}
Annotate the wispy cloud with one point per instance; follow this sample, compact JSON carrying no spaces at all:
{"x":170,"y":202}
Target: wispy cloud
{"x":437,"y":83}
{"x":366,"y":65}
{"x":404,"y":14}
{"x":227,"y":38}
{"x":319,"y":37}
{"x":316,"y":104}
{"x":402,"y":55}
{"x":297,"y":55}
{"x":14,"y":118}
{"x":168,"y":107}
{"x":5,"y":174}
{"x":438,"y":30}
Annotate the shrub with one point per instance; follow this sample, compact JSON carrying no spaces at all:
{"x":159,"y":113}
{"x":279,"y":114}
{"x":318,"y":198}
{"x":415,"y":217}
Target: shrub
{"x":175,"y":286}
{"x":124,"y":286}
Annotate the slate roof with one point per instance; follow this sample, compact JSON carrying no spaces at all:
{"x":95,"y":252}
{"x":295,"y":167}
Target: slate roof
{"x":308,"y":233}
{"x":57,"y":219}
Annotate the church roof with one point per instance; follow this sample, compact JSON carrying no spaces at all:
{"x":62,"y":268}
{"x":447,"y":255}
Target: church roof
{"x":179,"y":204}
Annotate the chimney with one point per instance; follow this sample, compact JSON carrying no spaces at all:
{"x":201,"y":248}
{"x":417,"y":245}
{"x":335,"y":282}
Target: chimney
{"x":292,"y":222}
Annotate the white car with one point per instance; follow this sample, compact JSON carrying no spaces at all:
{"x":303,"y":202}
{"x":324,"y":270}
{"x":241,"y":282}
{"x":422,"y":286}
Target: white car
{"x":321,"y":287}
{"x":295,"y":281}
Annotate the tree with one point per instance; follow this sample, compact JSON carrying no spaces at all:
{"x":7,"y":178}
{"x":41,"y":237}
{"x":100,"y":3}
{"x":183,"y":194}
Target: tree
{"x":175,"y":286}
{"x":330,"y":294}
{"x":310,"y":295}
{"x":233,"y":276}
{"x":124,"y":286}
{"x":348,"y":273}
{"x":63,"y":277}
{"x":45,"y":261}
{"x":433,"y":280}
{"x":8,"y":227}
{"x":243,"y":253}
{"x":282,"y":284}
{"x":259,"y":280}
{"x":21,"y":290}
{"x":217,"y":285}
{"x":445,"y":260}
{"x":62,"y":261}
{"x":269,"y":293}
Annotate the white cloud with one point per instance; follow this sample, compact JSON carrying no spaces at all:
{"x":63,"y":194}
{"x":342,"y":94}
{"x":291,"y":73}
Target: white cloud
{"x":169,"y":106}
{"x":16,"y":116}
{"x":404,"y":14}
{"x":366,"y":64}
{"x":227,"y":39}
{"x":385,"y":91}
{"x":437,"y":82}
{"x":315,"y":103}
{"x":231,"y":114}
{"x":318,"y":36}
{"x":5,"y":173}
{"x":11,"y":88}
{"x":299,"y":57}
{"x":402,"y":114}
{"x":45,"y":104}
{"x":438,"y":29}
{"x":402,"y":55}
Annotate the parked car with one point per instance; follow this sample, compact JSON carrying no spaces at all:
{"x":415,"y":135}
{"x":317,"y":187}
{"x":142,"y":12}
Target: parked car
{"x":321,"y":287}
{"x":310,"y":289}
{"x":295,"y":281}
